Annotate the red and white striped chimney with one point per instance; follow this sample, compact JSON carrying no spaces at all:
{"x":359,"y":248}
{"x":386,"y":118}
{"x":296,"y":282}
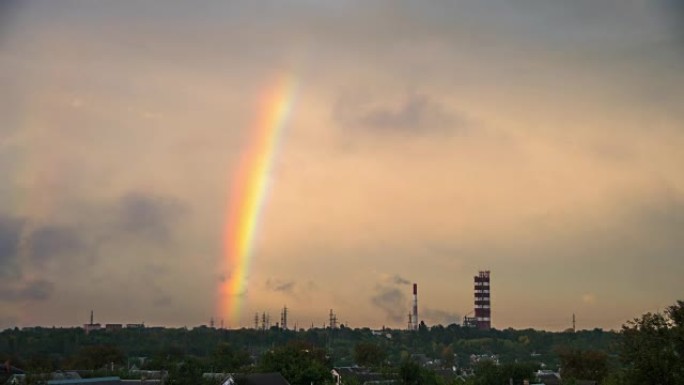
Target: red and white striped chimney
{"x":415,"y":306}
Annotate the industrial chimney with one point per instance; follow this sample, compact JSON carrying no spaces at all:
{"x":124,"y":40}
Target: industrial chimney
{"x":415,"y":306}
{"x":483,"y":310}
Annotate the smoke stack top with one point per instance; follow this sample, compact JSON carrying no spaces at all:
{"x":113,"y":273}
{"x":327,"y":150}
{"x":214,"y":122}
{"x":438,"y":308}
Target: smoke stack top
{"x":415,"y":289}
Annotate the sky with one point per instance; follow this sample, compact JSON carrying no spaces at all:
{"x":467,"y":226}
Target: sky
{"x":540,"y":140}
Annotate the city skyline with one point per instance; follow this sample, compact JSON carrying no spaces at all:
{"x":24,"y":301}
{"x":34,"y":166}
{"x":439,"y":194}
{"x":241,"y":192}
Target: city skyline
{"x":410,"y":143}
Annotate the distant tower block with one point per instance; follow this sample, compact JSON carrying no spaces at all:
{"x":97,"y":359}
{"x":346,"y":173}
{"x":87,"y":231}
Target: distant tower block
{"x":483,"y":304}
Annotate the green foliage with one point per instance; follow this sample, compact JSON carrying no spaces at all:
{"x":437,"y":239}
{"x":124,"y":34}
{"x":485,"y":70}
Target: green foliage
{"x":489,"y":373}
{"x":299,"y":362}
{"x":448,"y":357}
{"x":97,"y":357}
{"x":45,"y":349}
{"x":411,"y":373}
{"x":652,"y":348}
{"x":189,"y":372}
{"x":369,"y":354}
{"x":226,"y":358}
{"x":579,"y":364}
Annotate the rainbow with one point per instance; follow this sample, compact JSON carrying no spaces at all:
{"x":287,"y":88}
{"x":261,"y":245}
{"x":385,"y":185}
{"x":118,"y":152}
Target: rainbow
{"x":249,"y":188}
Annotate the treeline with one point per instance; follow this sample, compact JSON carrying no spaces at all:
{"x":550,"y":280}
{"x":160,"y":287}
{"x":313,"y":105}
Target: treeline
{"x":70,"y":348}
{"x":648,"y":349}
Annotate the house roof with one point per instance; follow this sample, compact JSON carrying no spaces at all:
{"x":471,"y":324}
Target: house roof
{"x":9,"y":369}
{"x":265,"y":379}
{"x":549,"y":378}
{"x":141,"y":382}
{"x":87,"y":381}
{"x":69,"y":375}
{"x":363,"y":375}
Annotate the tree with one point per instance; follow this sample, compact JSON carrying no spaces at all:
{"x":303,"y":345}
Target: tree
{"x":299,"y":362}
{"x":489,"y":373}
{"x":448,"y":357}
{"x":652,"y":348}
{"x":368,"y":354}
{"x":517,"y":372}
{"x":583,"y":364}
{"x":226,"y":358}
{"x":98,"y":357}
{"x":188,"y":372}
{"x":411,"y":373}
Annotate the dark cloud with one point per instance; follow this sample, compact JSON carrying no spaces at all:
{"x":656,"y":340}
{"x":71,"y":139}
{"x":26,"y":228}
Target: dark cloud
{"x":411,"y":115}
{"x":10,"y":239}
{"x":416,"y":114}
{"x":35,"y":290}
{"x":162,"y":301}
{"x":666,"y":212}
{"x":653,"y":229}
{"x":52,"y":248}
{"x":436,"y":316}
{"x":51,"y":241}
{"x":674,"y":9}
{"x":287,"y":287}
{"x":14,"y":286}
{"x":391,"y":301}
{"x":149,"y":216}
{"x":400,"y":281}
{"x":9,"y":11}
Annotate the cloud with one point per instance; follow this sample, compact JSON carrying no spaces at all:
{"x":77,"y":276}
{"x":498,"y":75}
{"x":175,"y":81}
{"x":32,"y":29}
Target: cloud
{"x":103,"y":240}
{"x":14,"y":286}
{"x":147,"y":215}
{"x":662,"y":210}
{"x":415,"y":113}
{"x":292,"y":289}
{"x":9,"y":9}
{"x":400,"y":281}
{"x":34,"y":290}
{"x":162,"y":301}
{"x":674,"y":9}
{"x":51,"y":242}
{"x":10,"y":239}
{"x":281,"y":286}
{"x":436,"y":316}
{"x":392,"y":301}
